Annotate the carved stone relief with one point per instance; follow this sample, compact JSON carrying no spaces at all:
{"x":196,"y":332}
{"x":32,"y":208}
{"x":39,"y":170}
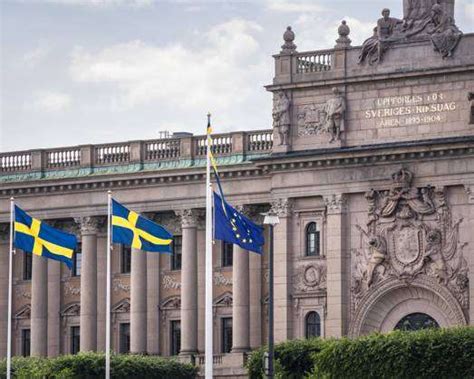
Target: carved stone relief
{"x":90,"y":224}
{"x":69,"y":289}
{"x":221,"y":280}
{"x":118,"y":285}
{"x":281,"y":117}
{"x":410,"y":234}
{"x":326,"y":118}
{"x":20,"y":292}
{"x":282,"y":207}
{"x":168,"y":306}
{"x":311,"y":277}
{"x":335,"y":203}
{"x":168,"y":282}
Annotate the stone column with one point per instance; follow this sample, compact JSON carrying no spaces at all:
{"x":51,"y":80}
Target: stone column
{"x":470,"y":257}
{"x":101,"y":289}
{"x":153,"y":303}
{"x":336,"y":265}
{"x":189,"y":293}
{"x":282,"y":271}
{"x":240,"y":305}
{"x":39,"y":307}
{"x":88,"y":331}
{"x":4,"y":263}
{"x":255,"y":269}
{"x":54,"y":304}
{"x":138,"y":281}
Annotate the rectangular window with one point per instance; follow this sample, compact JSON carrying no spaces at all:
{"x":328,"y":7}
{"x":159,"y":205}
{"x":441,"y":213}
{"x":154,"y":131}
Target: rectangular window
{"x":77,"y":260}
{"x":124,"y":338}
{"x":175,"y":337}
{"x":75,"y":339}
{"x":126,"y":259}
{"x":27,"y":265}
{"x":25,"y":342}
{"x":226,"y":334}
{"x":227,"y":254}
{"x":177,"y":249}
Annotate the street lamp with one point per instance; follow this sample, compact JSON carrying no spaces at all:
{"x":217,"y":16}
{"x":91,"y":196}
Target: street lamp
{"x":271,"y":219}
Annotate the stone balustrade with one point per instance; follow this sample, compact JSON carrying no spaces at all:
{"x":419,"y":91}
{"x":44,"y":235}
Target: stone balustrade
{"x":314,"y":61}
{"x":169,"y":149}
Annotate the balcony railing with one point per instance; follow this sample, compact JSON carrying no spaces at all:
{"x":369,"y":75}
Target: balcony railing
{"x":168,"y":149}
{"x":314,"y":61}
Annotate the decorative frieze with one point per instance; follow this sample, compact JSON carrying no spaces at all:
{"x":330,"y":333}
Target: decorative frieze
{"x":118,"y":285}
{"x":168,"y":282}
{"x":282,"y":207}
{"x":69,"y":289}
{"x":221,"y":280}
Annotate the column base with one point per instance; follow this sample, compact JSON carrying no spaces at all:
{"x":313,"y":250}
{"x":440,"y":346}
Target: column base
{"x":187,"y":357}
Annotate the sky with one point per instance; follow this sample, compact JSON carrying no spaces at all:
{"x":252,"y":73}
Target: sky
{"x":96,"y":71}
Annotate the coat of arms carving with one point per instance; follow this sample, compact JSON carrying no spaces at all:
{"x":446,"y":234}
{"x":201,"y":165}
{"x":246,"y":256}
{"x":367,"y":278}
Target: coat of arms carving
{"x":410,"y":232}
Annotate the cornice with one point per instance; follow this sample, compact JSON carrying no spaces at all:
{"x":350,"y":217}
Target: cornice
{"x":399,"y":152}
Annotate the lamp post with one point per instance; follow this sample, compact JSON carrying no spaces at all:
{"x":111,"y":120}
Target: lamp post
{"x":271,"y":219}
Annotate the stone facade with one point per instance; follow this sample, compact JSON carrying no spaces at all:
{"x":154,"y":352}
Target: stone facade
{"x":380,"y":158}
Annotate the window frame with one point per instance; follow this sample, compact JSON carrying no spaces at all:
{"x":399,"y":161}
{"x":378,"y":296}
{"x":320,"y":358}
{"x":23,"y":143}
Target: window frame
{"x":317,"y":240}
{"x":316,"y":324}
{"x":176,"y":260}
{"x":226,"y":334}
{"x":27,"y":266}
{"x":124,"y":338}
{"x":75,"y":340}
{"x":75,"y":261}
{"x":175,"y":341}
{"x":227,"y":251}
{"x":23,"y":342}
{"x":125,"y":259}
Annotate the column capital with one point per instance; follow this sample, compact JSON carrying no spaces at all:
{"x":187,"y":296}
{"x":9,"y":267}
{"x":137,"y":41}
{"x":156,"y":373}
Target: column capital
{"x":283,"y":207}
{"x":89,"y":224}
{"x":189,"y":217}
{"x":252,"y":211}
{"x":469,"y":188}
{"x":335,"y":203}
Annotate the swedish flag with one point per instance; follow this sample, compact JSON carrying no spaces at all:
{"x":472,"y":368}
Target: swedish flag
{"x":36,"y":237}
{"x":131,"y":229}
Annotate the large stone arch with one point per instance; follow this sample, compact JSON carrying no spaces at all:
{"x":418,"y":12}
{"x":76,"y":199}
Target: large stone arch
{"x":385,"y":305}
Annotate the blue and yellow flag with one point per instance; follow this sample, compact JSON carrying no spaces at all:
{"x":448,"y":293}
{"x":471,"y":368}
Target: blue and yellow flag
{"x":131,"y":229}
{"x":233,"y":227}
{"x":36,"y":237}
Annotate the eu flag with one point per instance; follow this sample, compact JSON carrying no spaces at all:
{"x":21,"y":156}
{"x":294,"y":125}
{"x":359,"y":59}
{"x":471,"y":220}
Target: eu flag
{"x":233,"y":227}
{"x":131,"y":229}
{"x":36,"y":237}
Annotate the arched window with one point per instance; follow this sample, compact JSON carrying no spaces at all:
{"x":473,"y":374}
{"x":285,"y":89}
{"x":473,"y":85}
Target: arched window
{"x":312,"y":325}
{"x":312,"y":240}
{"x":416,"y":321}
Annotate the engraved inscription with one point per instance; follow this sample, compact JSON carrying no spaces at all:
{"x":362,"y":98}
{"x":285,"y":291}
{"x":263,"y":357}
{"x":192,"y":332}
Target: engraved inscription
{"x":410,"y":110}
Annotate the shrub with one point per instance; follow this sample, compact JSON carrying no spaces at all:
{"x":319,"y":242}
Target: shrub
{"x":92,"y":366}
{"x":434,"y":353}
{"x":293,"y":359}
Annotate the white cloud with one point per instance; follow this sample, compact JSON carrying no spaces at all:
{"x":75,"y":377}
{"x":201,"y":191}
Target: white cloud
{"x":49,"y":101}
{"x":220,"y":70}
{"x":469,"y":7}
{"x":33,"y":57}
{"x":294,"y":6}
{"x":97,"y":3}
{"x":316,"y":32}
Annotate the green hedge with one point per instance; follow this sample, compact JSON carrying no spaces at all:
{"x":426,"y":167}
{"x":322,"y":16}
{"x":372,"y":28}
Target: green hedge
{"x":434,"y":353}
{"x":293,"y":358}
{"x":92,"y":365}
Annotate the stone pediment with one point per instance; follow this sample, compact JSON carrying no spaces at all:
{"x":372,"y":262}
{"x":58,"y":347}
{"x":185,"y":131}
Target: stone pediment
{"x":171,"y":303}
{"x":71,"y":310}
{"x":122,"y":306}
{"x":24,"y":313}
{"x":225,"y":300}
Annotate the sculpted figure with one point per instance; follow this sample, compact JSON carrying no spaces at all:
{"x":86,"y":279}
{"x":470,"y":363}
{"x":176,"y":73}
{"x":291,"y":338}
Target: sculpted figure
{"x":434,"y":254}
{"x":281,"y":117}
{"x":370,"y":49}
{"x":385,"y":28}
{"x":335,"y":110}
{"x":445,"y":35}
{"x":378,"y":247}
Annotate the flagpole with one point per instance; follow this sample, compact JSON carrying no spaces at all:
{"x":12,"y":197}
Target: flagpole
{"x":209,"y":326}
{"x":107,"y":301}
{"x":10,"y":280}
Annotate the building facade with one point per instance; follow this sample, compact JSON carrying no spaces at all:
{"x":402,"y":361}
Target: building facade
{"x":369,"y":166}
